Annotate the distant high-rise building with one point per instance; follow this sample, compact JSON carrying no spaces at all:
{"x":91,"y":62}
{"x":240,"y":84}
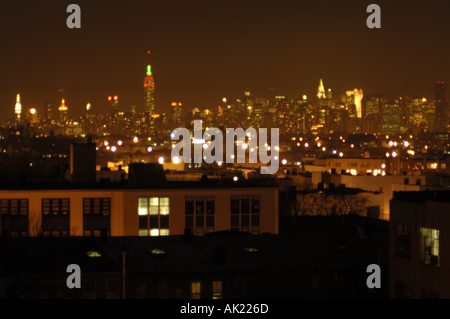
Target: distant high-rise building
{"x":441,"y":107}
{"x":49,"y":111}
{"x":391,"y":118}
{"x":149,"y":89}
{"x":18,"y":109}
{"x":176,"y":112}
{"x":63,"y":112}
{"x":113,"y":104}
{"x":321,"y":91}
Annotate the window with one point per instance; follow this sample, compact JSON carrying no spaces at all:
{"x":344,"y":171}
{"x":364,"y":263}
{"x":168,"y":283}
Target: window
{"x":402,"y":291}
{"x":429,"y":246}
{"x":403,"y":241}
{"x":56,"y":217}
{"x":89,"y":289}
{"x":14,"y":217}
{"x":96,"y":216}
{"x":140,"y":291}
{"x":153,"y":216}
{"x":97,"y":206}
{"x":245,"y":214}
{"x":58,"y":206}
{"x":112,"y":289}
{"x":217,"y":290}
{"x":425,"y":294}
{"x":15,"y":207}
{"x":163,"y":291}
{"x":200,"y":214}
{"x":196,"y":289}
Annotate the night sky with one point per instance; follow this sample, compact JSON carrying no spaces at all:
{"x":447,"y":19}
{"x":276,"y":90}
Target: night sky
{"x":205,"y":50}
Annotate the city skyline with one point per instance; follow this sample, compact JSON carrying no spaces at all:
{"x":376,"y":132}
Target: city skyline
{"x":203,"y":52}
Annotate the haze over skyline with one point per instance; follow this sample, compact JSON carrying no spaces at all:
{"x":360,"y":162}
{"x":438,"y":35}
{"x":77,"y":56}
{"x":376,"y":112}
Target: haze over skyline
{"x":203,"y":51}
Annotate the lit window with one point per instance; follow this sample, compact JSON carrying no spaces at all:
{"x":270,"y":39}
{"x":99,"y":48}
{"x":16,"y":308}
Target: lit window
{"x":429,"y":246}
{"x":153,"y":216}
{"x":196,"y":290}
{"x":217,"y":290}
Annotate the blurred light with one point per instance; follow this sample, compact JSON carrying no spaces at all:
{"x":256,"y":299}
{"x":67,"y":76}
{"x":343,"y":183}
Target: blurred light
{"x":113,"y":149}
{"x":383,"y":166}
{"x":387,"y":154}
{"x":406,"y":144}
{"x":394,"y":154}
{"x":176,"y":160}
{"x":33,"y":111}
{"x":149,"y":149}
{"x":284,"y":162}
{"x":268,"y":148}
{"x":219,"y":163}
{"x":244,"y":146}
{"x":119,"y":143}
{"x":205,"y":146}
{"x":277,"y":148}
{"x":235,"y":178}
{"x":109,"y":98}
{"x":341,"y":154}
{"x":306,"y":145}
{"x":136,"y":139}
{"x":161,"y":160}
{"x":324,"y":149}
{"x":334,"y":152}
{"x":391,"y":143}
{"x":106,"y":143}
{"x":116,"y":98}
{"x":107,"y":148}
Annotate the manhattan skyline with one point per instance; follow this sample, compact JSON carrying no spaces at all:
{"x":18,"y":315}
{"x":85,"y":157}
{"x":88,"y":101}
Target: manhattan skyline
{"x":203,"y":51}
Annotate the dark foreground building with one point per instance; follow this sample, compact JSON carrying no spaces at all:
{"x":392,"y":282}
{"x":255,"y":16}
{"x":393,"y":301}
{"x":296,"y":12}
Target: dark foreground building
{"x":327,"y":258}
{"x":419,"y":251}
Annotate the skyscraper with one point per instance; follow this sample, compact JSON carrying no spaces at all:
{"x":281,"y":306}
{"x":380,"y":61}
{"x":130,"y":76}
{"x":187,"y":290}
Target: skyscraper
{"x":63,"y":115}
{"x":441,"y":107}
{"x":18,"y":109}
{"x":321,"y":91}
{"x":149,"y":89}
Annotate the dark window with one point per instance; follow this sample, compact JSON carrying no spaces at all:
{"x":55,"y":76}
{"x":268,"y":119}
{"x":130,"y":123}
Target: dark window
{"x":403,"y":241}
{"x":200,"y":214}
{"x":56,"y":217}
{"x":402,"y":291}
{"x":14,"y":217}
{"x":245,"y":214}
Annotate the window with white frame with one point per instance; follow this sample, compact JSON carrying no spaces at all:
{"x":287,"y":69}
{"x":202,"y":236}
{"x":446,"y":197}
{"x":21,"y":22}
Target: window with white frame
{"x":153,"y":216}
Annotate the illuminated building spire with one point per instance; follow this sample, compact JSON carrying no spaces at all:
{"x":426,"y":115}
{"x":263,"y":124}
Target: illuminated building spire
{"x":321,"y":93}
{"x":18,"y":109}
{"x":149,"y":89}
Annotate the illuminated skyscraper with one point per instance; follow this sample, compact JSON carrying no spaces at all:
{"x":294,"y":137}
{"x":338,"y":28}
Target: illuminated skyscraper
{"x":176,"y":113}
{"x":18,"y":109}
{"x":149,"y":89}
{"x":63,"y":112}
{"x":321,"y":91}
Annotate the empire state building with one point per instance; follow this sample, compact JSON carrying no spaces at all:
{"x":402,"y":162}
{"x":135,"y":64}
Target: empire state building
{"x":149,"y":89}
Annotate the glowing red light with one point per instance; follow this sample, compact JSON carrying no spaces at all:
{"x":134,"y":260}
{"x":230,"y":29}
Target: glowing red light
{"x":109,"y":98}
{"x":116,"y":98}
